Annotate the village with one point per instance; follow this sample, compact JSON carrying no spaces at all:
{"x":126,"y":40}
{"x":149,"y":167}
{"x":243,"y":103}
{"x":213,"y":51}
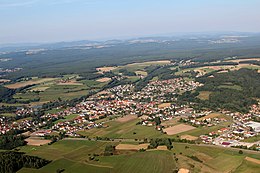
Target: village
{"x":154,"y":104}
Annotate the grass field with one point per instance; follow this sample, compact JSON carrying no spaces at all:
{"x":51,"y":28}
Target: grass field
{"x":50,"y":91}
{"x":213,"y":159}
{"x":67,"y":118}
{"x":127,"y":130}
{"x":204,"y":95}
{"x":72,"y":156}
{"x":8,"y":114}
{"x":30,"y":82}
{"x":205,"y":130}
{"x":252,"y":139}
{"x":215,"y":115}
{"x":139,"y":68}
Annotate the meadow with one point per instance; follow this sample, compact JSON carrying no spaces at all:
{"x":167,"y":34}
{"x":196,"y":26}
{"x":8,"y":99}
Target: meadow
{"x":73,"y":156}
{"x":53,"y":89}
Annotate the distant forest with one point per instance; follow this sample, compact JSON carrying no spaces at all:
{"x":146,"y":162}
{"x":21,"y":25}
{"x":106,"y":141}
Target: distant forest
{"x":55,"y":62}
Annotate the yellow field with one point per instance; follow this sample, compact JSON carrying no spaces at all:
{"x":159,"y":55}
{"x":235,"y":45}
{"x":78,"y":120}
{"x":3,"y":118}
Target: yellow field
{"x":241,"y":60}
{"x":182,"y":170}
{"x":4,"y":80}
{"x":164,"y":105}
{"x":40,"y":88}
{"x":36,"y":141}
{"x":189,"y":137}
{"x":148,"y":63}
{"x":105,"y":79}
{"x":163,"y":147}
{"x":126,"y":118}
{"x":30,"y":82}
{"x":211,"y":115}
{"x":105,"y":69}
{"x":178,"y":129}
{"x":142,"y":73}
{"x":253,"y":160}
{"x":131,"y":146}
{"x":171,"y":122}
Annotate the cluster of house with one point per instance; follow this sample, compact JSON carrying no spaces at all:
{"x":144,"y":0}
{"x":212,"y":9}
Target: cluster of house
{"x":243,"y":127}
{"x":197,"y":120}
{"x":7,"y":70}
{"x":153,"y":101}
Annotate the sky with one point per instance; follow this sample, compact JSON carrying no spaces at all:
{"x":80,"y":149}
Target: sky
{"x":23,"y":21}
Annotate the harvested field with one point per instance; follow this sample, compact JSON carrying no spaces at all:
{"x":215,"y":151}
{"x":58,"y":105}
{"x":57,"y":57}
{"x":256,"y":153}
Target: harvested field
{"x":171,"y":122}
{"x":241,"y":60}
{"x":182,"y":170}
{"x":252,"y":160}
{"x":223,"y":71}
{"x":72,"y":82}
{"x":105,"y":79}
{"x":164,"y":105}
{"x":142,"y":73}
{"x":131,"y":146}
{"x":36,"y":141}
{"x":163,"y":147}
{"x":189,"y":137}
{"x":40,"y":88}
{"x":105,"y":69}
{"x":126,"y":118}
{"x":221,"y":67}
{"x":150,"y":63}
{"x":211,"y":115}
{"x":178,"y":129}
{"x":30,"y":82}
{"x":4,"y":80}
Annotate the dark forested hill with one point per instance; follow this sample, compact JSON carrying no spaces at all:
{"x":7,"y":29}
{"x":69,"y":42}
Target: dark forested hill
{"x":84,"y":58}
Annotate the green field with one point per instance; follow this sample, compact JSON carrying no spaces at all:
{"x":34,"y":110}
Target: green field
{"x":204,"y":95}
{"x":68,"y":118}
{"x":72,"y":156}
{"x":123,"y":130}
{"x":8,"y":114}
{"x":52,"y":91}
{"x":205,"y":130}
{"x":213,"y":159}
{"x":252,"y":139}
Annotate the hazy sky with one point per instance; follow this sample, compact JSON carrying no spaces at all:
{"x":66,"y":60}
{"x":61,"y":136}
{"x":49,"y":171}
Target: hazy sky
{"x":63,"y":20}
